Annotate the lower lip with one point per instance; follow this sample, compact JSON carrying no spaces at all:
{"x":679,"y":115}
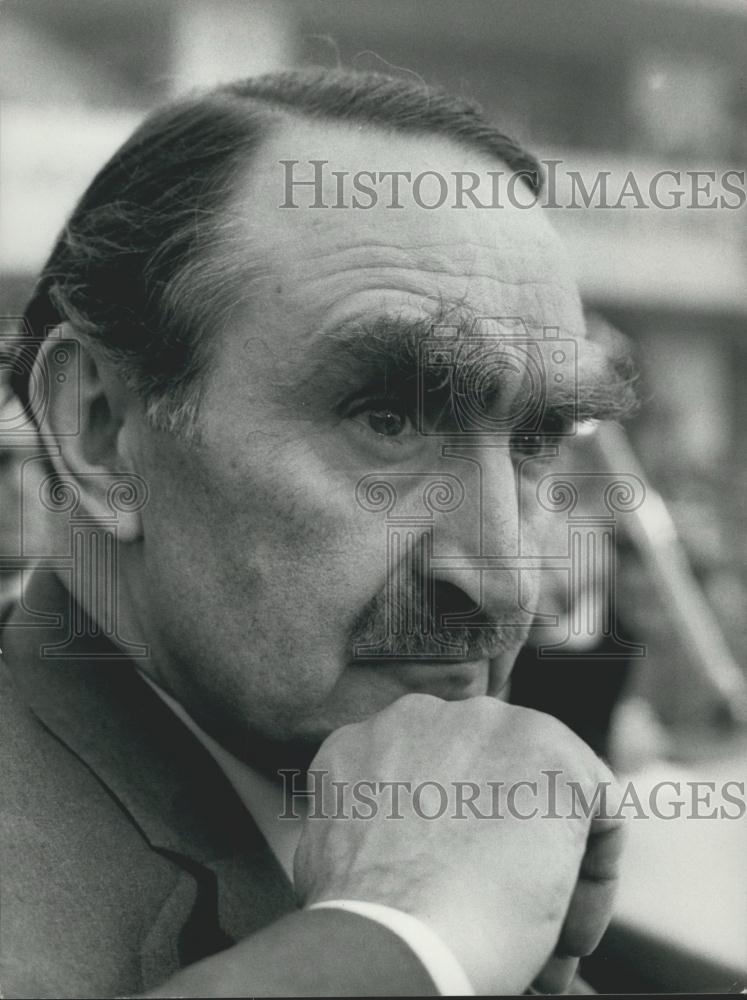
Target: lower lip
{"x":444,"y":678}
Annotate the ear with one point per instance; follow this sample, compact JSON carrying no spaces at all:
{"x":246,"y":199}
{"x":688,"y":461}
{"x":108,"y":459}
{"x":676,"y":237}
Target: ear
{"x":85,"y":413}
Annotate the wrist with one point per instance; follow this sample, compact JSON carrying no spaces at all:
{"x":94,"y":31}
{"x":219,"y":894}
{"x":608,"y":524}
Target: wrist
{"x":449,"y":978}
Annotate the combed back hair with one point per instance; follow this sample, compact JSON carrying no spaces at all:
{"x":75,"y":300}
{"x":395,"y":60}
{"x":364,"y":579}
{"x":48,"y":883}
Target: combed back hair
{"x":145,"y":266}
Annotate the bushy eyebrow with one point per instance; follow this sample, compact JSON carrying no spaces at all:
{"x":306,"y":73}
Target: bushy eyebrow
{"x":390,"y":350}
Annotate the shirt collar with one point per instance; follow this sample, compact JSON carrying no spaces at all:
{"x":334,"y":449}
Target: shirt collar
{"x":261,"y":797}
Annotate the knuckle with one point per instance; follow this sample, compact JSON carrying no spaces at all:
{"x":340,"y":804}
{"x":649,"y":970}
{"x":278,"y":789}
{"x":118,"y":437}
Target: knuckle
{"x":555,"y":742}
{"x":487,"y":704}
{"x":414,"y":703}
{"x":548,"y":728}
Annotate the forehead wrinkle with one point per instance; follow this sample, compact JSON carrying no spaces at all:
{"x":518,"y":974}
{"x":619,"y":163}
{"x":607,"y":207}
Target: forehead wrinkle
{"x":458,"y":261}
{"x":487,"y":292}
{"x":431,"y":271}
{"x":498,"y":255}
{"x":431,"y":254}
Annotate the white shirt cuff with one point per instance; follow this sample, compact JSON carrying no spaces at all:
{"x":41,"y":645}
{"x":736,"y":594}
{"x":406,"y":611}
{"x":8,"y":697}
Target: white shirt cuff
{"x":439,"y":961}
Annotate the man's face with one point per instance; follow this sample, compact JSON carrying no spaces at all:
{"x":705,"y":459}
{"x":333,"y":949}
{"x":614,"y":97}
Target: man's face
{"x":264,"y":573}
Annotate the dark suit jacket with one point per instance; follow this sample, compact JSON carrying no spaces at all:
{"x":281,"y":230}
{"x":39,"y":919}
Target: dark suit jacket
{"x":125,"y":853}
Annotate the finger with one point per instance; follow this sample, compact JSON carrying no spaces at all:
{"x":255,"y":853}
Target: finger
{"x":592,"y":902}
{"x":556,"y":975}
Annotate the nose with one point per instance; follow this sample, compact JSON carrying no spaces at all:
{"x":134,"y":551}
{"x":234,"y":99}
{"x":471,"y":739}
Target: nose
{"x":477,"y":546}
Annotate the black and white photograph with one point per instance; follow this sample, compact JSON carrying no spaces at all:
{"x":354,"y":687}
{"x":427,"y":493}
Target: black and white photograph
{"x":373,"y":462}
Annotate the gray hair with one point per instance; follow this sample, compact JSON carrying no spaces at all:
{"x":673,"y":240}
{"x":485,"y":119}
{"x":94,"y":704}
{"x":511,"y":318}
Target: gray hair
{"x":140,"y":269}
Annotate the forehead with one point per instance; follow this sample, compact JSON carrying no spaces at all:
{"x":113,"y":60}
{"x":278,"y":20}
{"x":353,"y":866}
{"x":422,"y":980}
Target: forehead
{"x":331,"y":265}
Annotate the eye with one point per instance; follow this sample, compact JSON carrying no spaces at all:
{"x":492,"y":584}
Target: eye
{"x":553,"y":430}
{"x":529,"y":443}
{"x":388,"y":418}
{"x":387,"y":421}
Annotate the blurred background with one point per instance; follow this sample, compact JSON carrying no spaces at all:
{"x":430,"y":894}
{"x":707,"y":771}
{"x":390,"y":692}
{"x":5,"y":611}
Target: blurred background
{"x":617,"y":85}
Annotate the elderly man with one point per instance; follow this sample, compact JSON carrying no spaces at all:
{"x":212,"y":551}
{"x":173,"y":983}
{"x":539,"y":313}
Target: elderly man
{"x":282,"y":540}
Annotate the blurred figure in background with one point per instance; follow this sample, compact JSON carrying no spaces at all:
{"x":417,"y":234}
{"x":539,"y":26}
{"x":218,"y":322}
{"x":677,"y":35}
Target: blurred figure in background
{"x":576,"y":668}
{"x":660,"y":589}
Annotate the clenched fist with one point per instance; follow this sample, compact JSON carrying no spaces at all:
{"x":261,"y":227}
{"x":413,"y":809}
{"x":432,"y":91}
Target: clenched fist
{"x":493,"y":824}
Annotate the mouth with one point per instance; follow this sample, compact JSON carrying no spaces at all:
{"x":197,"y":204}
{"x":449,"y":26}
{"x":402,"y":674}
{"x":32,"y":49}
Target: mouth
{"x":436,"y":640}
{"x":451,"y":679}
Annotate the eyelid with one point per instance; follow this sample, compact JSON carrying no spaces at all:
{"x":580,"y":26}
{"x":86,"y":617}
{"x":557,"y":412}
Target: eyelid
{"x":372,"y":390}
{"x":391,"y":447}
{"x":556,"y":423}
{"x":361,"y":403}
{"x":380,"y":389}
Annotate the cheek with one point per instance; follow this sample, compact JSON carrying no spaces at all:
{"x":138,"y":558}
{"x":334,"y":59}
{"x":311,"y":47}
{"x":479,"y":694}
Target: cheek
{"x":277,"y":543}
{"x":256,"y":567}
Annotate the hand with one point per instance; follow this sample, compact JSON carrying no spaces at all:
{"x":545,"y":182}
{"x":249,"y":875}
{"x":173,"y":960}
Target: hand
{"x":517,"y":899}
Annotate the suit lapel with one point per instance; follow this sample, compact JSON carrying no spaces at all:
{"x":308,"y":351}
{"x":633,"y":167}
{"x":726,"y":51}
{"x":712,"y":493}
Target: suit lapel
{"x":173,"y":791}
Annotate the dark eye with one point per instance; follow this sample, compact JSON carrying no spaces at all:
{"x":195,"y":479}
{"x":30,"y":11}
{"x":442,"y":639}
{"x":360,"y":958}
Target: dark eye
{"x":528,"y":443}
{"x":554,"y":428}
{"x":386,"y":421}
{"x":387,"y":417}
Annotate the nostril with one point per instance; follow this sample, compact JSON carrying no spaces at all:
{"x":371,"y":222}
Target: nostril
{"x":451,"y":603}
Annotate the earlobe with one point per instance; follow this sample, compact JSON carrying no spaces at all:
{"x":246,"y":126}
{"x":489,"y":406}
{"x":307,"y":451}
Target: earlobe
{"x":85,"y":415}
